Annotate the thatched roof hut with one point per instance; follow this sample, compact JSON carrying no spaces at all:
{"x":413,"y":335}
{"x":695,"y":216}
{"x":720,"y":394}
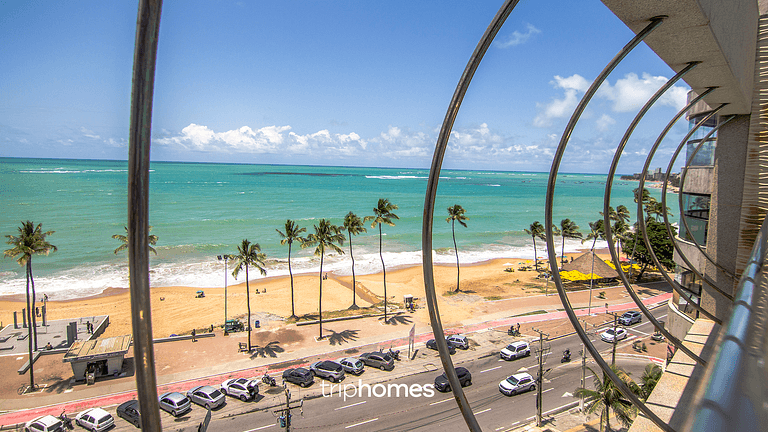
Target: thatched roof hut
{"x":584,"y":265}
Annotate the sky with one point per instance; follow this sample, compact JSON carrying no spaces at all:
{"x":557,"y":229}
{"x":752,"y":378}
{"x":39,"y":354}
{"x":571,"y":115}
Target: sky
{"x":350,"y":83}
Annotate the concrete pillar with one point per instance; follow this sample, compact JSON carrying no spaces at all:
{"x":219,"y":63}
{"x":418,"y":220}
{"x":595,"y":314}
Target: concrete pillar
{"x":725,"y":213}
{"x":15,"y":320}
{"x":44,"y":318}
{"x":24,"y":318}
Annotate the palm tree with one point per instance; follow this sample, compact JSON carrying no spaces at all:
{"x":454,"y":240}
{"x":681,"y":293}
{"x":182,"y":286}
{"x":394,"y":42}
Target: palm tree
{"x":456,"y":214}
{"x":151,"y":239}
{"x":650,"y":378}
{"x":248,"y":254}
{"x":622,"y":213}
{"x":568,"y":229}
{"x":354,"y":226}
{"x":606,"y":397}
{"x":382,"y":214}
{"x":325,"y":237}
{"x":596,"y":231}
{"x":536,"y":231}
{"x":30,"y":241}
{"x":292,"y":233}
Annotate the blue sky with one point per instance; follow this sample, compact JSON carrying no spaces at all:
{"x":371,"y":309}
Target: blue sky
{"x":330,"y":83}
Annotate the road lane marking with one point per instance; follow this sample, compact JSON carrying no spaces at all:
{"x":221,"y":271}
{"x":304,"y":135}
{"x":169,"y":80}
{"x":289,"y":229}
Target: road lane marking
{"x":361,"y":423}
{"x":549,"y":389}
{"x":439,"y":402}
{"x":347,"y":406}
{"x":642,"y":332}
{"x":485,"y":410}
{"x":493,"y":368}
{"x":260,"y":428}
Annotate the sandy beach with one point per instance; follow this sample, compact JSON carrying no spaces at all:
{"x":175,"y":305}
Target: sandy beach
{"x":176,"y":310}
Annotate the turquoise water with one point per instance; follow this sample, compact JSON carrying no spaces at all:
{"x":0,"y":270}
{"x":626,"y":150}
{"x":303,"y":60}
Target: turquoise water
{"x":199,"y":211}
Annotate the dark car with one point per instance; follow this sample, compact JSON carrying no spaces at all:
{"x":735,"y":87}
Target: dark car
{"x":300,"y":376}
{"x":630,"y":318}
{"x":328,"y":369}
{"x":130,"y":412}
{"x":378,"y":359}
{"x":465,"y":379}
{"x":432,"y":344}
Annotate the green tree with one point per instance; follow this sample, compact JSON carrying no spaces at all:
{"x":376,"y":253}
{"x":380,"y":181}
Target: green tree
{"x":456,"y":214}
{"x":354,"y":226}
{"x":30,"y":241}
{"x":660,"y":242}
{"x":151,"y":239}
{"x":326,"y":236}
{"x":292,"y":233}
{"x":650,"y":378}
{"x":568,"y":229}
{"x":606,"y":397}
{"x":536,"y":231}
{"x":383,"y":214}
{"x":596,"y":231}
{"x":248,"y":255}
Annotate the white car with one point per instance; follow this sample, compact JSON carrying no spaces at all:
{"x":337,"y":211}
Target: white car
{"x":47,"y":423}
{"x":517,"y":383}
{"x":241,"y":388}
{"x":608,"y":335}
{"x":516,"y":350}
{"x":95,"y":419}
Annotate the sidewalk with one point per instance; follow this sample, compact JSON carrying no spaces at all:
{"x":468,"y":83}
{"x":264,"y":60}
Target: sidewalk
{"x":213,"y":360}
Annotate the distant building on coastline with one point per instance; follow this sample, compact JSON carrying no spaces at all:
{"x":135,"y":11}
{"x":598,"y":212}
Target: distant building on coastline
{"x":656,"y":175}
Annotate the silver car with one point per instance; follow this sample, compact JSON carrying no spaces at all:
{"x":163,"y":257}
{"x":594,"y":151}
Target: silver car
{"x":328,"y":369}
{"x":175,"y":403}
{"x":206,"y":396}
{"x":352,"y":365}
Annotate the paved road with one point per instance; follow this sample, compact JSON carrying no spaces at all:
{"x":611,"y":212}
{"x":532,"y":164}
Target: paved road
{"x":425,"y":412}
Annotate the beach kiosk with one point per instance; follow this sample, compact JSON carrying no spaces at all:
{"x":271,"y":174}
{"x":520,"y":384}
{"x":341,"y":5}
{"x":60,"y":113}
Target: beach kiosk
{"x":95,"y":358}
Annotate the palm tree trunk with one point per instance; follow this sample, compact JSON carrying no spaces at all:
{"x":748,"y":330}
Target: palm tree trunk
{"x":34,"y":314}
{"x":29,"y":328}
{"x":384,"y":271}
{"x":320,"y":302}
{"x":562,"y":252}
{"x":607,"y":419}
{"x":290,"y":271}
{"x":248,"y":303}
{"x":354,"y":284}
{"x":535,"y":256}
{"x":456,"y":249}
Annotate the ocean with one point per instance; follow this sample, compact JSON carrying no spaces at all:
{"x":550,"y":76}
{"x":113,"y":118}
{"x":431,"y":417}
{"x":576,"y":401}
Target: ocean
{"x":201,"y":210}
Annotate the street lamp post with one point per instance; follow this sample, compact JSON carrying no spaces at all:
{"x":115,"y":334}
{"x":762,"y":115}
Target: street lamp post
{"x":225,"y":258}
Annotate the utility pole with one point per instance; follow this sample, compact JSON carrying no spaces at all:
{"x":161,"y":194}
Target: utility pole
{"x":615,"y":317}
{"x":540,"y":378}
{"x":284,"y":414}
{"x":583,"y":369}
{"x":225,"y":258}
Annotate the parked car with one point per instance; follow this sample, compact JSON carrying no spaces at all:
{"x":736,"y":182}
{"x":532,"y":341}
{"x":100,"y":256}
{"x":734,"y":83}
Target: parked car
{"x":233,"y":325}
{"x":458,"y":341}
{"x":378,"y":359}
{"x":352,"y":365}
{"x":465,"y":379}
{"x":328,"y":369}
{"x":630,"y":318}
{"x":206,"y":396}
{"x":241,"y":388}
{"x":175,"y":403}
{"x":432,"y":344}
{"x":95,"y":419}
{"x":130,"y":412}
{"x":516,"y":350}
{"x":46,"y":423}
{"x":517,"y":383}
{"x":608,"y":335}
{"x":300,"y":376}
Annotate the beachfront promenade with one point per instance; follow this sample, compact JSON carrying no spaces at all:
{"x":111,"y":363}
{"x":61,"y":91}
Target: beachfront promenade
{"x":183,"y":364}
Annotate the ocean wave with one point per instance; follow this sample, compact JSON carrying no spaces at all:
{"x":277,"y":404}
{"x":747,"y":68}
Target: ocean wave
{"x":67,"y":171}
{"x":390,"y":177}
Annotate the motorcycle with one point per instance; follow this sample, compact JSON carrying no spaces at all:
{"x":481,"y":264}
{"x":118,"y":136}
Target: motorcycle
{"x":266,"y":379}
{"x":514,"y":331}
{"x":66,"y":421}
{"x":566,"y":356}
{"x":658,"y":337}
{"x":395,"y":354}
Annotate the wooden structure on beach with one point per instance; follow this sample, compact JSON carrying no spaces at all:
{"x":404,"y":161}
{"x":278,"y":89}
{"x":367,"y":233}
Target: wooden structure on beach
{"x":583,"y":264}
{"x":99,"y":357}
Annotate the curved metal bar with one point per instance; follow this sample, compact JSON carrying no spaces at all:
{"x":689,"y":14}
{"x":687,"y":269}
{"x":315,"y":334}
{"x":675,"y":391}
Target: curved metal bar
{"x":664,"y":203}
{"x":682,"y":218}
{"x":144,"y":57}
{"x":551,"y":251}
{"x":429,"y":208}
{"x":607,"y":217}
{"x":641,"y":220}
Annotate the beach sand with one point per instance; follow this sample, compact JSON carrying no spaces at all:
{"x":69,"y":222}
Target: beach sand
{"x":176,"y":310}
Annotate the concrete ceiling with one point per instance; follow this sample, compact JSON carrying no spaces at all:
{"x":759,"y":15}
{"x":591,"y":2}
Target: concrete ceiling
{"x":722,"y":35}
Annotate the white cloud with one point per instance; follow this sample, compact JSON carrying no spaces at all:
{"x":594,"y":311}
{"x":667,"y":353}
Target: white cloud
{"x":559,"y":108}
{"x":517,"y":38}
{"x":604,"y":122}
